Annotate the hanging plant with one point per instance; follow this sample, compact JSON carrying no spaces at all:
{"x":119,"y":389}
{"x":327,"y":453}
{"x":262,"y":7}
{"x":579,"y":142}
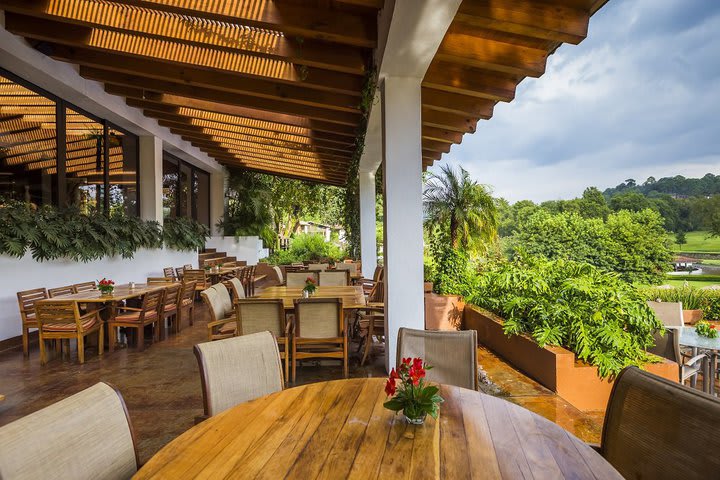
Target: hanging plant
{"x":184,"y":234}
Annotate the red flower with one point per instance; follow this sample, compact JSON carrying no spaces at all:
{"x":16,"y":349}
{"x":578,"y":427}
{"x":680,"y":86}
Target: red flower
{"x":394,"y":375}
{"x":390,"y":387}
{"x":417,"y":363}
{"x":310,"y":280}
{"x":712,"y":326}
{"x":407,"y":361}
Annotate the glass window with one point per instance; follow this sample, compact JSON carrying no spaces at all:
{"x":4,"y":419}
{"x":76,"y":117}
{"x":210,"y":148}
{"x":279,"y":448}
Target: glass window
{"x":186,"y":190}
{"x":201,"y":196}
{"x":170,"y":186}
{"x":123,"y":184}
{"x":185,"y":197}
{"x":28,"y":145}
{"x":85,"y":162}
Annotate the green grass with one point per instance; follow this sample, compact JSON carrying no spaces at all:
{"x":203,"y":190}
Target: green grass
{"x":711,"y":262}
{"x":692,"y":283}
{"x":697,"y":242}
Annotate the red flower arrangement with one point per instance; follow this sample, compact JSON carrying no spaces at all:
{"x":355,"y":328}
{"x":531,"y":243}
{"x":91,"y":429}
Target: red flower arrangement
{"x":410,"y":392}
{"x":705,"y":329}
{"x":105,"y":286}
{"x":310,"y":285}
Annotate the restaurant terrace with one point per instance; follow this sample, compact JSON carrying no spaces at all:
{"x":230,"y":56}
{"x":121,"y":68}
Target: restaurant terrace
{"x":169,"y":350}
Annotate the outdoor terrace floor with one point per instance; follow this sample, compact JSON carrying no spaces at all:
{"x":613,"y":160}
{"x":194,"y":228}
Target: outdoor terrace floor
{"x":161,"y":386}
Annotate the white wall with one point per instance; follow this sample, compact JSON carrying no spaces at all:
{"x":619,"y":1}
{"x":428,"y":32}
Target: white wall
{"x":26,"y":274}
{"x":249,"y":249}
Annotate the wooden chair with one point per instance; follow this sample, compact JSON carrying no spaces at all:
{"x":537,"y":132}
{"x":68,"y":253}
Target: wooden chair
{"x":368,"y":284}
{"x":171,"y":301}
{"x":248,"y":280}
{"x":179,"y":272}
{"x":371,"y":320}
{"x":139,"y":318}
{"x":197,"y":276}
{"x":59,"y":291}
{"x":187,"y":266}
{"x":223,"y":317}
{"x":84,"y":287}
{"x":260,"y":315}
{"x":85,"y":436}
{"x":61,"y":319}
{"x":26,"y":302}
{"x":279,"y":273}
{"x":319,"y":331}
{"x":237,"y":370}
{"x":236,"y":287}
{"x":334,"y":278}
{"x":297,"y":279}
{"x":318,"y":266}
{"x":169,"y":272}
{"x":350,"y":267}
{"x":453,"y":355}
{"x":186,"y":305}
{"x":658,"y":429}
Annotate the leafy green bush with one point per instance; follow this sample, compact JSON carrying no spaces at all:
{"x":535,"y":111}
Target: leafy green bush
{"x":449,"y":268}
{"x":308,"y":247}
{"x":601,"y":318}
{"x":692,"y":298}
{"x":184,"y":234}
{"x":711,"y":310}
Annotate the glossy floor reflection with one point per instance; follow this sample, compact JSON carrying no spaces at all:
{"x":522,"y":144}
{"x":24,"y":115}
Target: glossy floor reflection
{"x":161,"y":385}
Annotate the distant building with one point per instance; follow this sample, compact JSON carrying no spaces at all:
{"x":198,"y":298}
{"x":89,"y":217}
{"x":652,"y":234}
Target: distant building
{"x":325,"y":230}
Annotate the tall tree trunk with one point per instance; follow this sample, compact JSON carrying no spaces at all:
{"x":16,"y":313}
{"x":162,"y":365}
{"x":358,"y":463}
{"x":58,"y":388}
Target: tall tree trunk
{"x":453,"y":231}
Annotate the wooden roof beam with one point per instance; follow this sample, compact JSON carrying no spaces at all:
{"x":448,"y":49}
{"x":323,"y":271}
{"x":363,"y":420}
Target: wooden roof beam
{"x":470,"y":81}
{"x":457,"y":103}
{"x":440,"y":135}
{"x":294,"y":176}
{"x":448,"y":121}
{"x":554,"y":20}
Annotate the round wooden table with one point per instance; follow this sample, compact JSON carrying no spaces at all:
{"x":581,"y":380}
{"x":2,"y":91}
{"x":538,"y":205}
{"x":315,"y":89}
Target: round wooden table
{"x":340,"y":429}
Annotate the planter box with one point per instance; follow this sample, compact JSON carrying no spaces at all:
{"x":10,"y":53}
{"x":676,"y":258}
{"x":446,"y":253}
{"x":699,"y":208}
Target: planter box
{"x":691,"y":317}
{"x":553,"y":367}
{"x":443,"y":312}
{"x":427,"y":287}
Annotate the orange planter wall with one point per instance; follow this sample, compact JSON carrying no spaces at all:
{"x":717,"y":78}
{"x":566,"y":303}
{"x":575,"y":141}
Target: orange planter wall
{"x":553,"y":367}
{"x":443,"y":312}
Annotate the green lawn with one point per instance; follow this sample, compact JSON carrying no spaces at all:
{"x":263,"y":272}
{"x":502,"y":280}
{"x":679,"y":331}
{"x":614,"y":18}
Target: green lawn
{"x":697,"y":242}
{"x":692,"y":283}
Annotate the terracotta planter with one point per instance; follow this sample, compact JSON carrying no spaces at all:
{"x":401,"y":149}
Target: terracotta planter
{"x":428,"y":287}
{"x":554,"y":367}
{"x":443,"y":312}
{"x":691,"y":317}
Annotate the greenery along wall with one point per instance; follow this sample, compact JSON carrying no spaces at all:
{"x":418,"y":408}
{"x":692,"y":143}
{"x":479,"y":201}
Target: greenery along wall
{"x":51,"y":233}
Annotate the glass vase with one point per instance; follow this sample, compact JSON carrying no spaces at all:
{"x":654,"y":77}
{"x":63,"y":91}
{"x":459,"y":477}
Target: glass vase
{"x":306,"y":294}
{"x":417,"y":420}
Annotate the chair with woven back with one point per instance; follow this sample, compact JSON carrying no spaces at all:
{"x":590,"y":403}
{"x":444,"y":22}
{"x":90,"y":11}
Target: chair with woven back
{"x":179,"y":272}
{"x":171,"y":301}
{"x":668,"y":346}
{"x":452,"y":355}
{"x":169,"y":272}
{"x":186,"y":305}
{"x":197,"y":276}
{"x":659,"y":429}
{"x":237,"y":370}
{"x":298,"y":279}
{"x":26,"y":302}
{"x":223,"y":317}
{"x":236,"y":287}
{"x":350,"y":267}
{"x":84,"y":287}
{"x":279,"y":274}
{"x":85,"y":436}
{"x":61,"y":319}
{"x":139,"y":318}
{"x":318,"y":266}
{"x":60,"y":291}
{"x":371,"y":320}
{"x":331,"y":278}
{"x":265,"y":314}
{"x":319,"y":331}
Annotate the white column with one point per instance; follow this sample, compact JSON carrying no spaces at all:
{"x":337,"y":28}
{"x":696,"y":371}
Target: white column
{"x":404,"y":305}
{"x":217,"y":200}
{"x":368,"y":239}
{"x":151,"y":178}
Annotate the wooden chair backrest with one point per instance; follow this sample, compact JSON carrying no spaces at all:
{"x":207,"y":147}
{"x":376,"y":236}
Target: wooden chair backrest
{"x":179,"y":272}
{"x":297,"y":279}
{"x":172,"y":295}
{"x":169,"y":272}
{"x":197,"y":276}
{"x":452,"y":355}
{"x":655,"y":428}
{"x":84,"y":287}
{"x":261,"y":314}
{"x":377,"y":294}
{"x":27,"y":299}
{"x":295,"y":268}
{"x":334,"y":279}
{"x":87,"y":435}
{"x":237,"y":370}
{"x":319,"y":318}
{"x":58,"y":291}
{"x":161,"y":280}
{"x":152,"y":301}
{"x":58,"y":312}
{"x":187,"y":266}
{"x":187,"y":292}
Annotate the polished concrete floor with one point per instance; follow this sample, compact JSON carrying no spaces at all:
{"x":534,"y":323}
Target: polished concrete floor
{"x":161,"y":386}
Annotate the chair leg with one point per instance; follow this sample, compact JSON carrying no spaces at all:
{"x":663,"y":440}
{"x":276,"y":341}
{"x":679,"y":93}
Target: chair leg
{"x":287,"y":357}
{"x":345,"y":359}
{"x":294,"y":361}
{"x":140,"y":338}
{"x":43,"y":354}
{"x":368,"y":347}
{"x":26,"y":342}
{"x":101,"y":340}
{"x":80,"y":348}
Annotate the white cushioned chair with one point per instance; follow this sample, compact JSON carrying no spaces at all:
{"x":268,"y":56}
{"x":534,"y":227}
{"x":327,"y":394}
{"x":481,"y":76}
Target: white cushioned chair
{"x":85,"y":436}
{"x":335,"y":279}
{"x":223,"y":318}
{"x":237,"y":370}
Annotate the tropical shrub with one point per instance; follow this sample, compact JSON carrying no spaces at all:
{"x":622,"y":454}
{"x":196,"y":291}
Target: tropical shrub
{"x":692,"y":298}
{"x":449,"y":269}
{"x":184,"y":234}
{"x":593,"y":313}
{"x":308,"y":247}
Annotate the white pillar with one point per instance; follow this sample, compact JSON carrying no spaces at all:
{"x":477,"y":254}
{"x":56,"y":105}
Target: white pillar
{"x":217,"y":200}
{"x":368,"y":234}
{"x":151,"y":178}
{"x":404,"y":305}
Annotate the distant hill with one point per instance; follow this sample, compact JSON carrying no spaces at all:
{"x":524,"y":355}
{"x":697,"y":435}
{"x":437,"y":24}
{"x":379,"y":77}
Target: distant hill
{"x":677,"y":186}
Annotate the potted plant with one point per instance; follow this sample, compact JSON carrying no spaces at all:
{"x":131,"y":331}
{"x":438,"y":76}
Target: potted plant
{"x":410,"y":393}
{"x":705,"y":329}
{"x":310,"y":287}
{"x":106,"y":286}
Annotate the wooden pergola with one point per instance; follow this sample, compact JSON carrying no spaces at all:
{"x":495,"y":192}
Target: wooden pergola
{"x":276,"y":85}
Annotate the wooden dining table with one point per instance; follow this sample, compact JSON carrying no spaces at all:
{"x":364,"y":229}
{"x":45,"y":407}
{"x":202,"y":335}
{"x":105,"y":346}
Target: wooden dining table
{"x":340,"y":429}
{"x":352,"y":296}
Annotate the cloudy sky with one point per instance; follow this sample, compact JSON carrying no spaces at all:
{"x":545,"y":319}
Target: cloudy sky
{"x":639,"y":97}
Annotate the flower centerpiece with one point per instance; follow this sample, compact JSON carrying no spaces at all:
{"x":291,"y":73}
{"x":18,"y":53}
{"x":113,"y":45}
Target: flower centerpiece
{"x":410,"y":393}
{"x":310,"y":287}
{"x":705,"y":329}
{"x":106,"y":286}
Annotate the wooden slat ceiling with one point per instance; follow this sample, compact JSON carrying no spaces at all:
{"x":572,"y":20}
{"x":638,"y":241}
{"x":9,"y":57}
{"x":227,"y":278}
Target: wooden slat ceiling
{"x":266,"y":85}
{"x":490,"y":47}
{"x":275,"y":85}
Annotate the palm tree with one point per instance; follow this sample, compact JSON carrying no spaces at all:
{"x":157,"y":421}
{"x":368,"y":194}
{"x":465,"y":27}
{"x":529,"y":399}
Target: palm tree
{"x":461,"y":206}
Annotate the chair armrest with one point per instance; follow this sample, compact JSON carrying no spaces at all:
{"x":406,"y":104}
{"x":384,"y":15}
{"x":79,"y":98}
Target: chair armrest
{"x":221,"y":322}
{"x":288,"y":328}
{"x":694,"y":360}
{"x":94,"y":313}
{"x":132,"y":309}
